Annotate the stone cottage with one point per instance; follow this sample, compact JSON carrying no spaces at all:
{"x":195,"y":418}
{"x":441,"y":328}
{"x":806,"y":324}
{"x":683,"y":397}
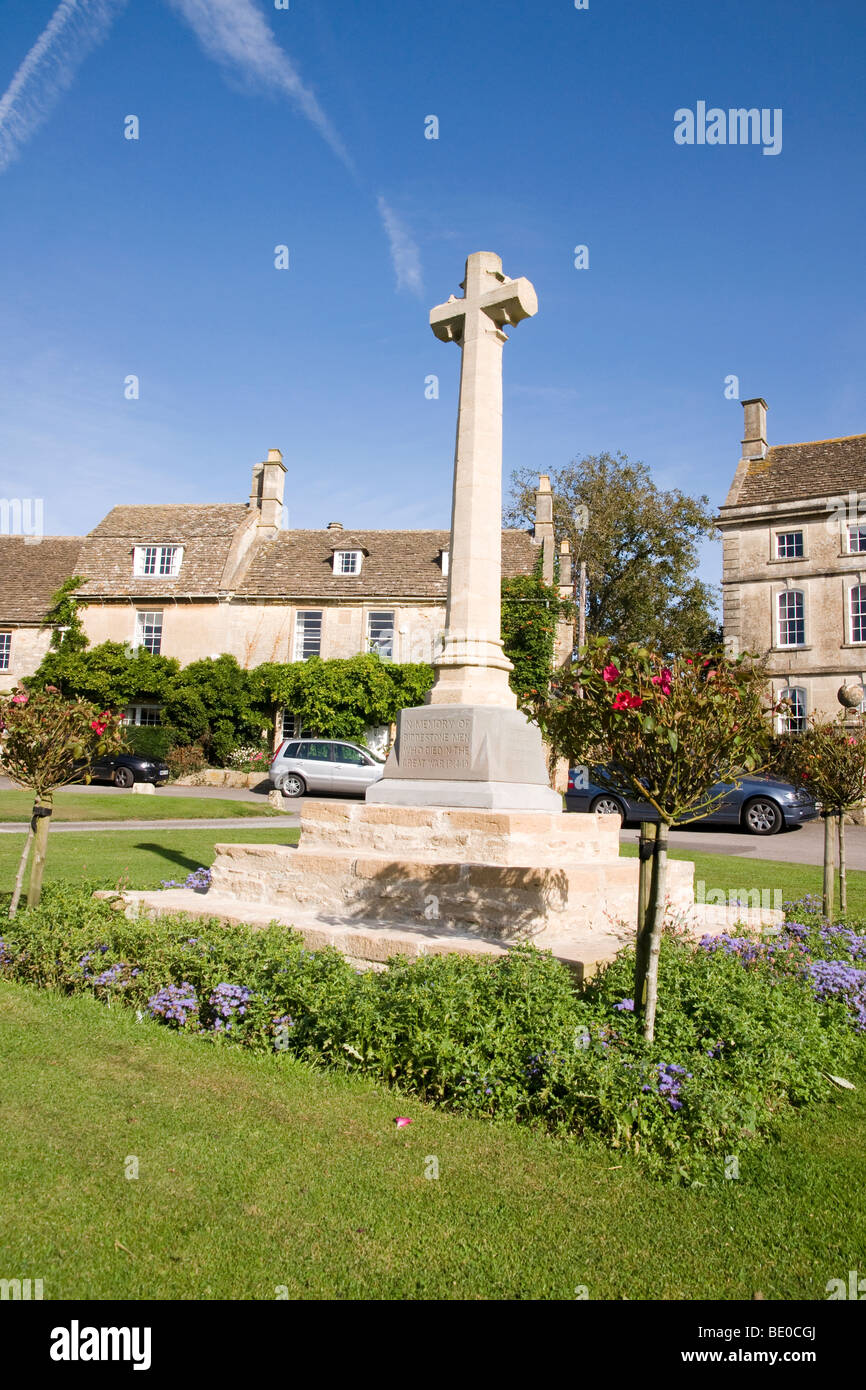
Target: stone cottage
{"x":794,"y":563}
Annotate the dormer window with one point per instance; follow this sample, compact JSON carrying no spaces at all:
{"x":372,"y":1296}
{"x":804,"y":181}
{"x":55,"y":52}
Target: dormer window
{"x":348,"y":561}
{"x":444,"y":556}
{"x":158,"y":561}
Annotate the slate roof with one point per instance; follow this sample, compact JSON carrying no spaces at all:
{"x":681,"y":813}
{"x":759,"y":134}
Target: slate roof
{"x":398,"y":564}
{"x":823,"y":467}
{"x":205,"y":532}
{"x":31,"y":573}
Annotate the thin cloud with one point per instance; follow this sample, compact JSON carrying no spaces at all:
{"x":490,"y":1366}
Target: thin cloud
{"x":235,"y":34}
{"x":49,"y":69}
{"x":404,"y":253}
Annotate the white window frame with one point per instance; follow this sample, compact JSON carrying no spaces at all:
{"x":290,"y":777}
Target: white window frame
{"x":860,"y":528}
{"x":785,"y":594}
{"x":5,"y":650}
{"x":141,"y":624}
{"x":343,"y":557}
{"x":785,"y":717}
{"x":382,"y":613}
{"x":782,"y":535}
{"x":856,"y":589}
{"x":300,"y":632}
{"x":156,"y":555}
{"x":445,"y":560}
{"x":133,"y":716}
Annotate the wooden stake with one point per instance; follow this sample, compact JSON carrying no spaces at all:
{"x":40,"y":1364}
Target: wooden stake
{"x":19,"y":877}
{"x":42,"y":811}
{"x":828,"y":864}
{"x":843,"y":882}
{"x":646,"y":845}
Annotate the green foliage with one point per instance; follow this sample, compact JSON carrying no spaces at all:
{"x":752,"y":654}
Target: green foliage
{"x":667,"y":729}
{"x":641,"y":546}
{"x":738,"y":1042}
{"x":531,"y":610}
{"x":216,"y":703}
{"x":342,"y":698}
{"x":829,"y":757}
{"x":64,"y":614}
{"x":111,"y":675}
{"x":150,"y":741}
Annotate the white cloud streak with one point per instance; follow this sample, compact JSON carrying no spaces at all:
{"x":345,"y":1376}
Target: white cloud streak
{"x":235,"y":34}
{"x":404,"y":253}
{"x":49,"y":69}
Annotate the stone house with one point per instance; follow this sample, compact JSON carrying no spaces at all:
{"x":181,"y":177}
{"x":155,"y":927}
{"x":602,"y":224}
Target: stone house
{"x":198,"y":580}
{"x":32,"y":568}
{"x":794,"y":563}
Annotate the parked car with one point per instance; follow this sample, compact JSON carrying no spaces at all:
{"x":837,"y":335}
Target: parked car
{"x":323,"y":765}
{"x":123,"y":769}
{"x":759,"y":805}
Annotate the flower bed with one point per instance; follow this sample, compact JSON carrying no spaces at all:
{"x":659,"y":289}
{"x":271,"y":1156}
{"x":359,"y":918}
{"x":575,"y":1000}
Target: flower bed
{"x":746,"y":1028}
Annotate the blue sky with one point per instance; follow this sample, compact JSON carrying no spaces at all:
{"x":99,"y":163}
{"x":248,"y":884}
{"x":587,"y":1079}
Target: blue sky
{"x":156,"y":257}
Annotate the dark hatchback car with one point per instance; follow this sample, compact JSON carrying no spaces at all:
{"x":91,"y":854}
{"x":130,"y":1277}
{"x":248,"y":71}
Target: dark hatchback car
{"x":759,"y":805}
{"x":123,"y":769}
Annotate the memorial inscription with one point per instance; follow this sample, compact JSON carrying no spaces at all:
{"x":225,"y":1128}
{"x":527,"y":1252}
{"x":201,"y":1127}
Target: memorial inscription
{"x":437,"y":744}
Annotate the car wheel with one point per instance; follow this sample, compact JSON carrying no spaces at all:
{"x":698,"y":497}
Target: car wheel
{"x":761,"y":816}
{"x":608,"y":806}
{"x":123,"y":777}
{"x":293,"y":785}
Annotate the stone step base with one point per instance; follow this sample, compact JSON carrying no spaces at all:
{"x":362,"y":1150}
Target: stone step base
{"x":366,"y":945}
{"x":435,"y":833}
{"x":507,"y":902}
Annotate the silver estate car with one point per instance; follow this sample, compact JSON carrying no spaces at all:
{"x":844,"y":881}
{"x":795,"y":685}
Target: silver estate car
{"x":303,"y":765}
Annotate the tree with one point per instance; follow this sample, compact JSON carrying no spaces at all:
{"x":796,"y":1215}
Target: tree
{"x":640,"y":545}
{"x":110,"y":674}
{"x":217,"y":703}
{"x":47,"y":741}
{"x":342,"y":698}
{"x":64,"y":618}
{"x":667,"y":729}
{"x":829,"y":758}
{"x":531,"y":611}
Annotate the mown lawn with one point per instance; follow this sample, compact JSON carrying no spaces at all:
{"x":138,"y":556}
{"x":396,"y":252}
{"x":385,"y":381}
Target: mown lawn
{"x":131,"y":858}
{"x":731,"y":873}
{"x":257,"y":1172}
{"x":72,"y":805}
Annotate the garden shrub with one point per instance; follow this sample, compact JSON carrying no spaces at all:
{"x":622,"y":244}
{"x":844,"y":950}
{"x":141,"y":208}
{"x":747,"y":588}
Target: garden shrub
{"x":150,"y":741}
{"x":746,"y":1028}
{"x":186,"y":759}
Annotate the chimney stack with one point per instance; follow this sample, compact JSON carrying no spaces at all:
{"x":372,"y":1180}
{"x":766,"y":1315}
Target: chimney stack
{"x":542,"y":531}
{"x":268,"y":485}
{"x":564,"y":569}
{"x":755,"y":428}
{"x":335,"y":525}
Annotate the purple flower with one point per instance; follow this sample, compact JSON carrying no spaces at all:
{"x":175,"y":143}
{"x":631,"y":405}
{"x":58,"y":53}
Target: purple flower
{"x":625,"y":1006}
{"x":174,"y":1003}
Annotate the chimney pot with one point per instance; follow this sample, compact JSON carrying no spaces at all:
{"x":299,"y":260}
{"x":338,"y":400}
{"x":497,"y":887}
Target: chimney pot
{"x":335,"y":525}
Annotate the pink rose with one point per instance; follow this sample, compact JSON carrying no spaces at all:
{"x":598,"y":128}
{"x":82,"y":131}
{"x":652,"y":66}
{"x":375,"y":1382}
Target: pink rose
{"x":610,"y":673}
{"x":20,"y":699}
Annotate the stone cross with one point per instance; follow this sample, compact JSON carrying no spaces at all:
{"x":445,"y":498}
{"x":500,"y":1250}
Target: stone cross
{"x":472,"y":668}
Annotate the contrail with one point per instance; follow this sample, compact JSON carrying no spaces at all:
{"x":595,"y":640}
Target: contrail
{"x":49,"y":69}
{"x":404,"y":253}
{"x":234,"y":32}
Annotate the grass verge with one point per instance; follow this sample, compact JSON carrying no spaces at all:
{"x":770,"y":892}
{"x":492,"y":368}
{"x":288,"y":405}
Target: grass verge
{"x":72,"y":805}
{"x":131,"y":858}
{"x":257,"y":1171}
